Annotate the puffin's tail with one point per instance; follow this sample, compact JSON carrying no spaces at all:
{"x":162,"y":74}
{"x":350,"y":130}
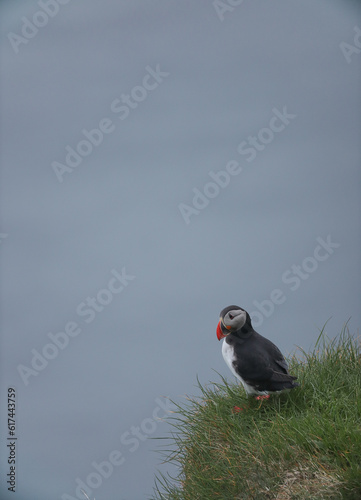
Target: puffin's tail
{"x":281,"y":381}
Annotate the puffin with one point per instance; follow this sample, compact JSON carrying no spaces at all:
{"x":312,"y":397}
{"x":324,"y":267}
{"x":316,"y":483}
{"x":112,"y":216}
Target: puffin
{"x":253,"y":359}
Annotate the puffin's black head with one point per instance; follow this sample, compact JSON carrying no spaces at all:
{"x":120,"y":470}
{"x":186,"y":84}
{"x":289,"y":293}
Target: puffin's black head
{"x":232,"y":319}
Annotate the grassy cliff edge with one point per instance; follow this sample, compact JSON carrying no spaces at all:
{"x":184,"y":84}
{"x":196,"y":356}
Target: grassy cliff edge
{"x":303,"y":444}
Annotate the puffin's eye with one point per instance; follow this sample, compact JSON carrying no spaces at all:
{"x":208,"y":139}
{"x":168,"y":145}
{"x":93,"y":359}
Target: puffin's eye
{"x":231,"y":316}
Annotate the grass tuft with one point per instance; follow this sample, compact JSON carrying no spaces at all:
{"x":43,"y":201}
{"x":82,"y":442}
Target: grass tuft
{"x":303,"y":444}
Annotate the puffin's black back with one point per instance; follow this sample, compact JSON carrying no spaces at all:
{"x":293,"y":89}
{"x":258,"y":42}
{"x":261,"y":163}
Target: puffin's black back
{"x":258,"y":361}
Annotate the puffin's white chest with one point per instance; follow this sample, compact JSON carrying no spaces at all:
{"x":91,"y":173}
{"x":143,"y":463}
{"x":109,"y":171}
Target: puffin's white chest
{"x":229,"y":358}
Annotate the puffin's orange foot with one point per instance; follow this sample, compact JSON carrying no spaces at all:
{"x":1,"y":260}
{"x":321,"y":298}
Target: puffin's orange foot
{"x":259,"y":398}
{"x":237,"y":409}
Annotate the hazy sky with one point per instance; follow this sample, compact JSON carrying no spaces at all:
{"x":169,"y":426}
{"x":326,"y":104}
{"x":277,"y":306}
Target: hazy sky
{"x":160,"y":161}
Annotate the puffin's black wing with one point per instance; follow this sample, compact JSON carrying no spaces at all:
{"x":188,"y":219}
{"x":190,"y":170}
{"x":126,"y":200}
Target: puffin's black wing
{"x":261,"y":364}
{"x":282,"y":363}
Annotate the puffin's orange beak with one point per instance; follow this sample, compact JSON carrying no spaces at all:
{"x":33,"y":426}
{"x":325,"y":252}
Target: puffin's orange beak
{"x":220,"y":334}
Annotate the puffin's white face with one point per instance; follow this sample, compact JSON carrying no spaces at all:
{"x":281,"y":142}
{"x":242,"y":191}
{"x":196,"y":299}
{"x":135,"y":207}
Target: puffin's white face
{"x":234,"y":320}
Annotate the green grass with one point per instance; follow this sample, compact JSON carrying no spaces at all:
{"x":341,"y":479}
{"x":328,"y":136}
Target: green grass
{"x":303,"y":444}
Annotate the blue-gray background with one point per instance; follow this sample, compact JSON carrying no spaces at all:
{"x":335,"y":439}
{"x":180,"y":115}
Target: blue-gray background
{"x":120,"y":208}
